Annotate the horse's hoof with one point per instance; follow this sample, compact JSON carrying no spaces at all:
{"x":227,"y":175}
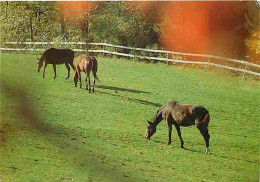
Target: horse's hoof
{"x":54,"y":77}
{"x":67,"y":78}
{"x":207,"y":150}
{"x":169,"y":143}
{"x":182,"y":147}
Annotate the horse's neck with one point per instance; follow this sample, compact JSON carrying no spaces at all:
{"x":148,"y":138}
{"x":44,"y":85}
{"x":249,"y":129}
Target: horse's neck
{"x":157,"y":119}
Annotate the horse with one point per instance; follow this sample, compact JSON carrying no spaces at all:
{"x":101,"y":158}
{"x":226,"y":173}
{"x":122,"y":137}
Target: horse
{"x":56,"y":56}
{"x":178,"y":115}
{"x":86,"y":64}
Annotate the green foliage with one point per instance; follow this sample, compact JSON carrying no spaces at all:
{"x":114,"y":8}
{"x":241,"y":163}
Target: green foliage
{"x":120,"y":23}
{"x":252,"y":24}
{"x":15,"y":25}
{"x":254,"y":43}
{"x":111,"y":22}
{"x":56,"y":132}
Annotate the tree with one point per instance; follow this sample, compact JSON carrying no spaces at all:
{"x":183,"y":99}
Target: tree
{"x":252,"y":21}
{"x":28,"y":21}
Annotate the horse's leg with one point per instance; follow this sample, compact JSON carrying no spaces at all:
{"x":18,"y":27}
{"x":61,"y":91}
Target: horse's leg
{"x":94,"y":81}
{"x":68,"y":68}
{"x":45,"y":65}
{"x":79,"y":75}
{"x":179,"y":134}
{"x":205,"y":133}
{"x":88,"y":82}
{"x":54,"y":68}
{"x":72,"y":65}
{"x":169,"y":125}
{"x":75,"y":78}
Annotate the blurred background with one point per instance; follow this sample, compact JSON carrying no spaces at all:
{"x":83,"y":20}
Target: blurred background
{"x":229,"y":29}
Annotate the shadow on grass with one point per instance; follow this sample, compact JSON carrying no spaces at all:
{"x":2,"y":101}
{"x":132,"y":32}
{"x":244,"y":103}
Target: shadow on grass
{"x":233,"y":158}
{"x":157,"y":141}
{"x":221,"y":156}
{"x":121,"y":89}
{"x":140,"y":101}
{"x":210,"y":153}
{"x":26,"y":110}
{"x":192,"y":150}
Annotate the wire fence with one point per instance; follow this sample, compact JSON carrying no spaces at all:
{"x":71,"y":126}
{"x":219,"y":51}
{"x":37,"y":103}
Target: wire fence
{"x":168,"y":57}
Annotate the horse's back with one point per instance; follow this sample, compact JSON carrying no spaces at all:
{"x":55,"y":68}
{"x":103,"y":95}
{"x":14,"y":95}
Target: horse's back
{"x":58,"y":56}
{"x":183,"y":114}
{"x":68,"y":54}
{"x":84,"y":63}
{"x":172,"y":110}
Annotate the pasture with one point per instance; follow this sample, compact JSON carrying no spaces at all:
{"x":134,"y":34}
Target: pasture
{"x":52,"y":131}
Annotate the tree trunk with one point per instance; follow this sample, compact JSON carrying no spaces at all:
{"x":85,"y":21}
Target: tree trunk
{"x":62,"y":22}
{"x":6,"y":10}
{"x":84,"y":27}
{"x":38,"y":15}
{"x":31,"y":29}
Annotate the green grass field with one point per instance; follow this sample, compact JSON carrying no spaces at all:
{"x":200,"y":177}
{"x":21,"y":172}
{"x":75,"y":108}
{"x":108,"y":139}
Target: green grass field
{"x":52,"y":131}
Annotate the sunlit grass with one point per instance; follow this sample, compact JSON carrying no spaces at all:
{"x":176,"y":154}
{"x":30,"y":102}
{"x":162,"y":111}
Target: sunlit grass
{"x":52,"y":131}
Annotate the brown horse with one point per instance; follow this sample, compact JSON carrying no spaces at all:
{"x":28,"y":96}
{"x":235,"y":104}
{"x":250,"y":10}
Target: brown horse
{"x":56,"y":56}
{"x":181,"y":115}
{"x":86,"y":64}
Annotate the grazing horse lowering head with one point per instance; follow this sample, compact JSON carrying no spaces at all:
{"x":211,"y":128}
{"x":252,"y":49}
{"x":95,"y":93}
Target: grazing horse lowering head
{"x":178,"y":115}
{"x":40,"y":64}
{"x":151,"y":129}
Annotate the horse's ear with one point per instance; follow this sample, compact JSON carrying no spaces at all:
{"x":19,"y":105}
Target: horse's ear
{"x":157,"y":112}
{"x":39,"y":59}
{"x":149,"y":122}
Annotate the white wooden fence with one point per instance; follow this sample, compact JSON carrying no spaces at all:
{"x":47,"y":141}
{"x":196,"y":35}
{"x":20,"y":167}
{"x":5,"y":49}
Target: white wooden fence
{"x":207,"y":63}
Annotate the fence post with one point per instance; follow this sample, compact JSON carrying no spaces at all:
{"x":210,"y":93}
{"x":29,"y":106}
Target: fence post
{"x":206,"y":65}
{"x":244,"y":71}
{"x":103,"y":50}
{"x":133,"y":54}
{"x":167,"y":59}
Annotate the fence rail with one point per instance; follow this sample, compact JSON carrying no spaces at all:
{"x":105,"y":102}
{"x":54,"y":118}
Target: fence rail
{"x":104,"y":45}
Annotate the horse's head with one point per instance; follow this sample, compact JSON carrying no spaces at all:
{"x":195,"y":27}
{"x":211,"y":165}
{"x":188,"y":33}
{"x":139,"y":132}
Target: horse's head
{"x":151,"y":129}
{"x":40,"y":64}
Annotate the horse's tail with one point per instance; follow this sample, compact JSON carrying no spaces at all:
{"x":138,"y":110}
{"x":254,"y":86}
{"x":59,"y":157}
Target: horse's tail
{"x":203,"y":118}
{"x":95,"y":66}
{"x":206,"y":119}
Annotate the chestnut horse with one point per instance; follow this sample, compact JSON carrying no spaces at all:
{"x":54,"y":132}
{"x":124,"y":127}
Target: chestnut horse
{"x":86,"y":64}
{"x":181,"y":115}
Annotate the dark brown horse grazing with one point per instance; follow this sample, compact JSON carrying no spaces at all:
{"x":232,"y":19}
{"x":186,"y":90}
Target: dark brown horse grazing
{"x":86,"y":64}
{"x":181,"y":115}
{"x":56,"y":56}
